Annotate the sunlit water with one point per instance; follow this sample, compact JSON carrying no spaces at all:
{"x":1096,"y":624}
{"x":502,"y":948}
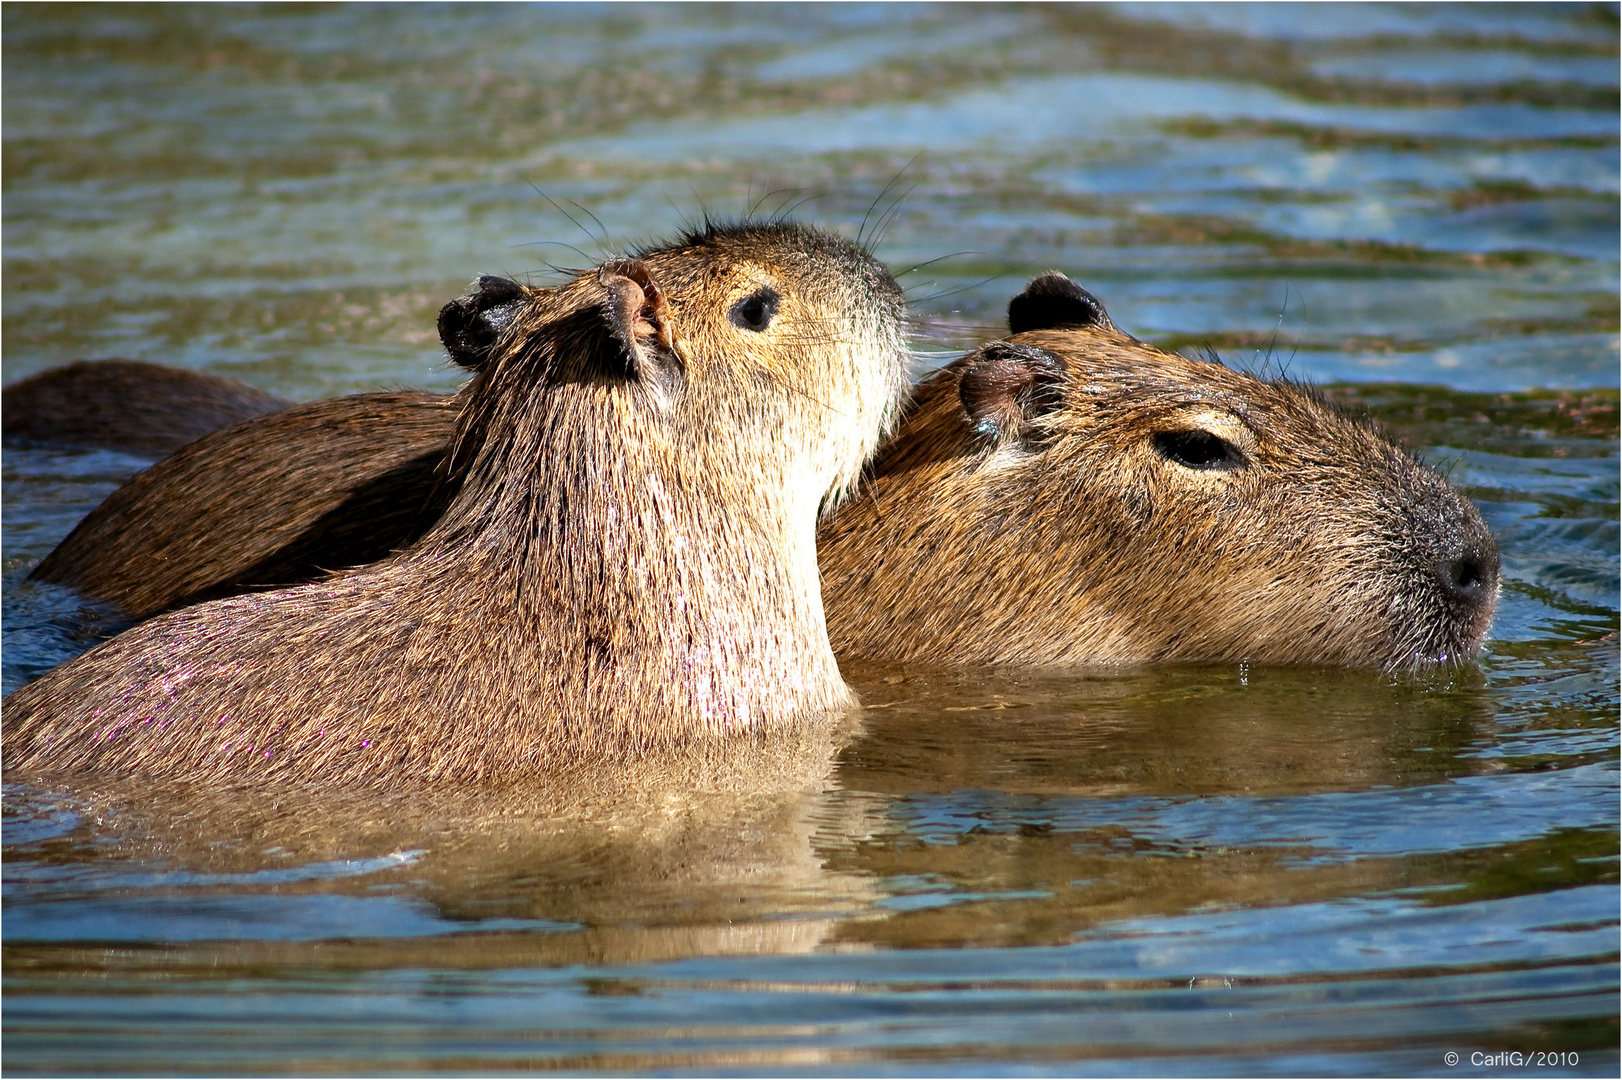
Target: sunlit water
{"x":1195,"y":870}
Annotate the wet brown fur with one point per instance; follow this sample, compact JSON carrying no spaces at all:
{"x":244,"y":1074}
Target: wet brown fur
{"x":129,"y":405}
{"x":1061,"y":533}
{"x":325,"y":485}
{"x":627,"y":562}
{"x":1049,"y":530}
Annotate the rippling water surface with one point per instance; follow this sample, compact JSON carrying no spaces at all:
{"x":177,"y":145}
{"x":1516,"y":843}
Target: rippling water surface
{"x":1176,"y":871}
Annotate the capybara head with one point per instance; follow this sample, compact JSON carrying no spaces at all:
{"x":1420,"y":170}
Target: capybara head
{"x":1074,"y":495}
{"x":782,"y":330}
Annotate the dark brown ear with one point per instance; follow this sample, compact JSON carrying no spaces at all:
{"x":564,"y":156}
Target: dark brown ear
{"x":1006,"y":386}
{"x":639,"y":319}
{"x":1053,"y":301}
{"x":470,"y":325}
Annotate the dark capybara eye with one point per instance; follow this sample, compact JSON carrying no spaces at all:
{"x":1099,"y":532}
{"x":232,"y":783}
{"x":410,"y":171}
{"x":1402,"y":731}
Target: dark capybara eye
{"x":755,"y":311}
{"x":1199,"y":450}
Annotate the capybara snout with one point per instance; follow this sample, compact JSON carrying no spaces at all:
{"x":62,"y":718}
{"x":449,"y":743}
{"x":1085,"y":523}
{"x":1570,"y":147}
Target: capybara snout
{"x":1454,"y":570}
{"x":470,"y":325}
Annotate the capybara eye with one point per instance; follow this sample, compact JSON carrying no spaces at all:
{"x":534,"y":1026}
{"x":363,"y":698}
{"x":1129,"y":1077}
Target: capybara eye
{"x":755,"y":311}
{"x":1199,"y":450}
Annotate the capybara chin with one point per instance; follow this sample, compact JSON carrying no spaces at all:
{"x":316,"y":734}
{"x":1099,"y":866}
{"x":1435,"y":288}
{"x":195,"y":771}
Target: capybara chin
{"x":626,"y":560}
{"x":1074,"y":495}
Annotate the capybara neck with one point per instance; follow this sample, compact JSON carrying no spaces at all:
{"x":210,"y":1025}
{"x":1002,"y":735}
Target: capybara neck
{"x":619,"y":543}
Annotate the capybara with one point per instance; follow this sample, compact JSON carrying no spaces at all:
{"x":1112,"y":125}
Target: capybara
{"x":626,"y":561}
{"x":128,"y":405}
{"x":1073,"y":495}
{"x":1069,"y":495}
{"x":357,"y":479}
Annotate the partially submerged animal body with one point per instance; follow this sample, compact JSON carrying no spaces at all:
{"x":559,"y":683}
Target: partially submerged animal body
{"x":1068,"y":495}
{"x":273,"y":501}
{"x":625,"y":561}
{"x":127,"y":405}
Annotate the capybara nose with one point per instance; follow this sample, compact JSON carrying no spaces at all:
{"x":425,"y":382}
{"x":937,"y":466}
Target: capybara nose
{"x":1471,"y":577}
{"x":470,"y":324}
{"x":490,"y":291}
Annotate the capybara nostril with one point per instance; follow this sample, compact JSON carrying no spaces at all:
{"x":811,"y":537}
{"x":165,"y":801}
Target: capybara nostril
{"x":1470,"y":578}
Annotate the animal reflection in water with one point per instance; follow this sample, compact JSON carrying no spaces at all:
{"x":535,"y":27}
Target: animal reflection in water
{"x":1023,"y":788}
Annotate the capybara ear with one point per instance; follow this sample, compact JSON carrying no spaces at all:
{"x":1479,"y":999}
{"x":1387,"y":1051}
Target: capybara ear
{"x":639,"y":319}
{"x":470,"y":325}
{"x":1007,"y":386}
{"x":1053,"y":301}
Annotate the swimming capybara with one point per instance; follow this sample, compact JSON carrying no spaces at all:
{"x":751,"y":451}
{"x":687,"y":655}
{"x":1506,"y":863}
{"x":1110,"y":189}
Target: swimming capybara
{"x":128,"y":405}
{"x":626,"y":561}
{"x":324,"y":485}
{"x":1073,"y":495}
{"x":1069,"y":495}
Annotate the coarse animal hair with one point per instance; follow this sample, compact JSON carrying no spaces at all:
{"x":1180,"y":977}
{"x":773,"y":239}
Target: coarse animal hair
{"x":1036,"y":505}
{"x":626,"y":562}
{"x":1073,"y":495}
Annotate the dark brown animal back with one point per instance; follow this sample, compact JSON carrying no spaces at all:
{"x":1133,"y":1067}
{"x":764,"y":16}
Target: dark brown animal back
{"x":274,"y":500}
{"x":127,"y":405}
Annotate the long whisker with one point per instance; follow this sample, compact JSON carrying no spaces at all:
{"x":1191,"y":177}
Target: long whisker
{"x":931,"y":262}
{"x":970,"y":287}
{"x":755,"y":208}
{"x":555,"y":243}
{"x":861,"y":233}
{"x":891,"y":216}
{"x":576,"y":222}
{"x":607,"y":239}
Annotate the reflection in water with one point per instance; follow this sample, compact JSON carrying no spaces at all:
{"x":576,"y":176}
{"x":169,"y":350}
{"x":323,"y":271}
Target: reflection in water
{"x":715,"y":844}
{"x":954,"y":792}
{"x":1027,"y":807}
{"x":1118,"y":817}
{"x":1180,"y":731}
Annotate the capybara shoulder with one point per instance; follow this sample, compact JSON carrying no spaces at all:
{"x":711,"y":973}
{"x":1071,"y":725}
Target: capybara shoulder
{"x":1073,"y":495}
{"x":127,"y":405}
{"x":626,"y":561}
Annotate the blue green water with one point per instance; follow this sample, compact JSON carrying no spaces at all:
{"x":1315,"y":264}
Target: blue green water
{"x":1144,"y":872}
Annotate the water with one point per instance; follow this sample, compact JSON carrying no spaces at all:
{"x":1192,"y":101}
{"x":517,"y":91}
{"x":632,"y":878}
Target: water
{"x":1178,"y":871}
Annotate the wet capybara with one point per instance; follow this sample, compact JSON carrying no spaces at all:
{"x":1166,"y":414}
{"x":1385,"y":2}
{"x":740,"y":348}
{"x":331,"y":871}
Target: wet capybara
{"x":128,"y":405}
{"x":627,"y":561}
{"x":1072,"y":497}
